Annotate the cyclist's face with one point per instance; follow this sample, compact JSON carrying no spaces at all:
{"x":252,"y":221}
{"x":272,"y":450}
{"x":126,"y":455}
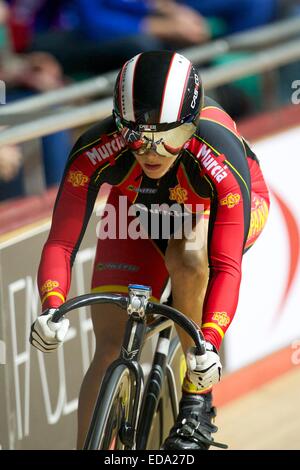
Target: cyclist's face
{"x":154,"y":165}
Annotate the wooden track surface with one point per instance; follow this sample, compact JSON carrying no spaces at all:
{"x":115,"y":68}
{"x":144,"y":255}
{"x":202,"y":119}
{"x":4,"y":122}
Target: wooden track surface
{"x":268,"y":418}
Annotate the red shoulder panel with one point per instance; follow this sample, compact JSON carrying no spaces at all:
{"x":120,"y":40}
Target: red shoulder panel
{"x":220,"y":117}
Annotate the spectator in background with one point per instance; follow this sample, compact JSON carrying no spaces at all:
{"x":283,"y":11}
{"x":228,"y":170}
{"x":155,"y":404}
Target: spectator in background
{"x":107,"y":33}
{"x":10,"y":162}
{"x":186,"y":21}
{"x":37,"y":71}
{"x":167,"y":21}
{"x":10,"y":165}
{"x":25,"y":74}
{"x":290,"y":72}
{"x":94,"y":36}
{"x":242,"y":97}
{"x":29,"y":17}
{"x":239,"y":15}
{"x":288,"y":8}
{"x":10,"y":156}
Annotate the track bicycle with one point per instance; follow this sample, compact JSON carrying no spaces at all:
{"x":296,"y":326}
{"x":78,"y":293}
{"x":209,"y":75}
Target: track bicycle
{"x":128,"y":414}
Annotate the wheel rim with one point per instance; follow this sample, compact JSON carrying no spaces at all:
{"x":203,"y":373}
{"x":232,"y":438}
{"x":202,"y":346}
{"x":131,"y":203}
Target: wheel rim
{"x":114,"y":423}
{"x":117,"y":416}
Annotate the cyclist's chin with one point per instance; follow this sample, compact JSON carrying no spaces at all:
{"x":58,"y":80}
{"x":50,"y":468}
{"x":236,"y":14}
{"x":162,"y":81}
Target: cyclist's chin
{"x":155,"y":171}
{"x":157,"y":167}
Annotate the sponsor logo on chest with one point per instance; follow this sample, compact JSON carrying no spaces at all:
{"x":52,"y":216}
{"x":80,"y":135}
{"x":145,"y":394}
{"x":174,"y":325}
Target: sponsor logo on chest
{"x":106,"y":150}
{"x":77,"y":178}
{"x":142,"y":190}
{"x":117,"y":267}
{"x":211,"y":164}
{"x":178,"y":194}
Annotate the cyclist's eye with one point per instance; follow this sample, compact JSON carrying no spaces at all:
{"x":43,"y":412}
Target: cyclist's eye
{"x":138,"y":145}
{"x":130,"y":135}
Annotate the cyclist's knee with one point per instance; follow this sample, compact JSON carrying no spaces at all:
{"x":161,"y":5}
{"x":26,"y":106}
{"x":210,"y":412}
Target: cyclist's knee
{"x":182,"y":263}
{"x":108,"y":323}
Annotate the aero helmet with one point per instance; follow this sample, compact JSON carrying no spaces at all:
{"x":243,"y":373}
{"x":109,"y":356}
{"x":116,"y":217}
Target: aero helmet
{"x":159,"y":88}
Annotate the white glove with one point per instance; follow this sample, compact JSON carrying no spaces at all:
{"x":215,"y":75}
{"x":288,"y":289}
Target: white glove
{"x":204,"y":371}
{"x":47,"y":335}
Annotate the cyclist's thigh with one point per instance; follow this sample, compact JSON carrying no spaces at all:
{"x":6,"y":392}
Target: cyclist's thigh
{"x":190,"y":252}
{"x":120,"y":262}
{"x":109,"y":324}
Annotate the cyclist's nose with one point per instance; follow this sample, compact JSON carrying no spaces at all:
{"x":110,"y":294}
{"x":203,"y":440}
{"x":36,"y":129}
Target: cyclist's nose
{"x":151,"y":155}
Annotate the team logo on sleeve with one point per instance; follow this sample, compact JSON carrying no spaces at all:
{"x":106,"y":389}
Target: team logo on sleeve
{"x":212,"y":164}
{"x":178,"y":194}
{"x":77,"y":178}
{"x":230,"y":200}
{"x":48,"y":286}
{"x":222,"y":318}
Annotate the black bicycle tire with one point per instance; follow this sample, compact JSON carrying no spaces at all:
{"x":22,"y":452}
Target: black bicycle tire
{"x":107,"y":397}
{"x":174,"y":344}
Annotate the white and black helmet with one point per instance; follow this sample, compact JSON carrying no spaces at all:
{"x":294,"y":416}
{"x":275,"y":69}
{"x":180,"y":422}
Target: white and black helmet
{"x":157,"y":90}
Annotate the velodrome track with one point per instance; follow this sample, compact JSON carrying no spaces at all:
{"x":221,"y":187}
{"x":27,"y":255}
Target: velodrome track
{"x":267,"y":417}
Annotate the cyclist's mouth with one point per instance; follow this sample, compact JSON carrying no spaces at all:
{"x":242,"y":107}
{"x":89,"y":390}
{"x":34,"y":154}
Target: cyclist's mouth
{"x":152,"y":167}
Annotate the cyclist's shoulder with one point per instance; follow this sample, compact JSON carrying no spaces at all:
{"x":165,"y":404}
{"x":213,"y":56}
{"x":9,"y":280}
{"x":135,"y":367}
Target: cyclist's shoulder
{"x":216,"y":129}
{"x":99,"y":142}
{"x":97,"y":130}
{"x":214,"y":120}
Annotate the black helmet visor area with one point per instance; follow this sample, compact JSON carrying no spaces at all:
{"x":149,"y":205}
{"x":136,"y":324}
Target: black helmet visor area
{"x":165,"y":143}
{"x":160,"y":89}
{"x":147,"y":127}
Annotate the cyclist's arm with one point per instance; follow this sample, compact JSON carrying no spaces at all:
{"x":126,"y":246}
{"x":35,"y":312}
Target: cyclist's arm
{"x":95,"y":159}
{"x":224,"y":166}
{"x":73,"y":208}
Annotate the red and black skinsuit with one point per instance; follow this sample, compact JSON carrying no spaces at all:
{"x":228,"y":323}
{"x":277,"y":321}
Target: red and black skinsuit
{"x":216,"y":168}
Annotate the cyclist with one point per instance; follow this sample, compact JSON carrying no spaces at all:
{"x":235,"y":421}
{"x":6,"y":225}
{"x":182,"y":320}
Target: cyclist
{"x":164,"y":142}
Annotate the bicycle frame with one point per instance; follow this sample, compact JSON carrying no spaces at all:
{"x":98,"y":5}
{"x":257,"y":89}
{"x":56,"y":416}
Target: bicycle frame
{"x":135,"y":431}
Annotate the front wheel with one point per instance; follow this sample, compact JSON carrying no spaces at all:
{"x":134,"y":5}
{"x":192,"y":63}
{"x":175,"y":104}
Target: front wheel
{"x":112,"y":412}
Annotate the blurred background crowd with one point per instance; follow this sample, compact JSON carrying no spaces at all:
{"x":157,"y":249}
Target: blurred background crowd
{"x":46,"y":45}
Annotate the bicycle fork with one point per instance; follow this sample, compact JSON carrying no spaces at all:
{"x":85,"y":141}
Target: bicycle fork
{"x":130,"y":355}
{"x":152,"y":392}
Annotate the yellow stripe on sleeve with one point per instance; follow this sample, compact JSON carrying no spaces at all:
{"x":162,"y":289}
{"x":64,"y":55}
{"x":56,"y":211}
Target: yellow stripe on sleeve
{"x":216,"y":327}
{"x":49,"y":294}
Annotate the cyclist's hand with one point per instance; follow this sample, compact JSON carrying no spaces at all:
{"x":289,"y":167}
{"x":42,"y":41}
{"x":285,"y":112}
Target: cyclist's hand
{"x":47,"y":335}
{"x":204,"y":371}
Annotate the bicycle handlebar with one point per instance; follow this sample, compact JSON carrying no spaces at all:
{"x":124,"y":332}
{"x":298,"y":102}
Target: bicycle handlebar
{"x":152,"y":308}
{"x":89,"y":299}
{"x":189,"y":326}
